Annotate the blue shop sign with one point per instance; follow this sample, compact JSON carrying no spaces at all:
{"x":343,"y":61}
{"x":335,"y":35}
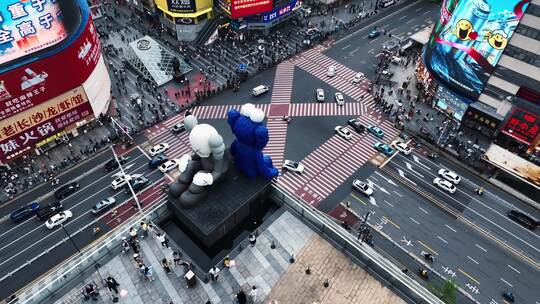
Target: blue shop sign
{"x":280,"y":11}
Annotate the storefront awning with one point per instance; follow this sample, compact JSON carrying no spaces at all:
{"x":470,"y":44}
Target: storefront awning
{"x":513,"y":164}
{"x":423,"y":35}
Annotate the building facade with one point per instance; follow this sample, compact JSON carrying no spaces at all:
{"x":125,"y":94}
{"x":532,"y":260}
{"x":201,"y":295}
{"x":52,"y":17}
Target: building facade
{"x":184,"y":19}
{"x":40,"y":103}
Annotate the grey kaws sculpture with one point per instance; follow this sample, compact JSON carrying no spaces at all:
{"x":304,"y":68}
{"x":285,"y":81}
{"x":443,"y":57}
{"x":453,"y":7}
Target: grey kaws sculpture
{"x":206,"y":165}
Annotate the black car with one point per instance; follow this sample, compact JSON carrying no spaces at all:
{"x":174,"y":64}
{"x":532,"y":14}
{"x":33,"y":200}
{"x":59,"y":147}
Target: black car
{"x":66,"y":190}
{"x":113,"y":164}
{"x":137,"y":184}
{"x":523,"y":219}
{"x":356,"y":125}
{"x":157,"y":161}
{"x":48,"y":211}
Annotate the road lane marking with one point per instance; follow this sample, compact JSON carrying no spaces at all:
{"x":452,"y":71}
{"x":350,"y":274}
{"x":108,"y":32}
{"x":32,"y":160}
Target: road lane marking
{"x":402,"y":174}
{"x":481,"y":215}
{"x":371,"y":51}
{"x":419,"y":9}
{"x":506,"y":282}
{"x":348,"y":45}
{"x":440,"y":238}
{"x":480,"y":248}
{"x":358,"y":199}
{"x":377,"y":22}
{"x":395,"y":225}
{"x":414,"y":220}
{"x":397,"y":193}
{"x":514,"y":269}
{"x":403,"y":17}
{"x":472,"y":260}
{"x":427,"y":247}
{"x":423,"y":210}
{"x":388,"y":203}
{"x":355,"y":50}
{"x":450,"y":228}
{"x":468,"y":276}
{"x":410,"y":21}
{"x":410,"y":167}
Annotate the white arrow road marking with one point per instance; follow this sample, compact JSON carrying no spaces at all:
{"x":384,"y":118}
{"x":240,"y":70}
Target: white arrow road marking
{"x":386,"y":178}
{"x":371,"y":184}
{"x":409,"y":166}
{"x":406,"y":242}
{"x":402,"y":174}
{"x":417,"y":159}
{"x":373,"y":201}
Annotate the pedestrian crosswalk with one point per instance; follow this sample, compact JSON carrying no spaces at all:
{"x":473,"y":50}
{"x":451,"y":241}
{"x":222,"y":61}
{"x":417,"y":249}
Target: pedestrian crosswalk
{"x":283,"y":82}
{"x":334,"y":162}
{"x":220,"y":111}
{"x":326,"y":109}
{"x":277,"y":131}
{"x":317,"y":64}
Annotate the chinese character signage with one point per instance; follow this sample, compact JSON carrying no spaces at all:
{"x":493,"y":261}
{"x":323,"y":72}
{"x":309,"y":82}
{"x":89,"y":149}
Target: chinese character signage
{"x":181,"y":6}
{"x":44,"y":79}
{"x":468,"y":41}
{"x":27,"y":128}
{"x":27,"y":26}
{"x":280,"y":11}
{"x":523,"y":126}
{"x":242,"y":8}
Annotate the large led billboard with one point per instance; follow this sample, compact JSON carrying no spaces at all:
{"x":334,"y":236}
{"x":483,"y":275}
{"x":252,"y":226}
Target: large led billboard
{"x":468,"y":41}
{"x":243,"y":8}
{"x":523,"y":126}
{"x":27,"y":26}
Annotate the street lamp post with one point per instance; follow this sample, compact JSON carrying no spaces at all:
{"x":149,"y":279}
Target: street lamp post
{"x":128,"y":181}
{"x":79,"y":251}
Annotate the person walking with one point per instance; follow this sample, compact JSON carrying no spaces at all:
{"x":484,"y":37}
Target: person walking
{"x":214,"y":273}
{"x":241,"y":297}
{"x":166,"y":264}
{"x":144,"y":229}
{"x":253,"y":294}
{"x":252,"y":240}
{"x":163,"y":240}
{"x":112,"y":284}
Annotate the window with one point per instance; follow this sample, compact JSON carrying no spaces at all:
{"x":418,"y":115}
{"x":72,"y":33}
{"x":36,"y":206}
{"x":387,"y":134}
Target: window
{"x":528,"y":31}
{"x":528,"y":94}
{"x":533,"y":10}
{"x":522,"y":55}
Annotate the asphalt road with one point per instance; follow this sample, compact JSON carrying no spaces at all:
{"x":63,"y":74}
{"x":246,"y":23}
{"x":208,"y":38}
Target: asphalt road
{"x":480,"y":265}
{"x":22,"y":242}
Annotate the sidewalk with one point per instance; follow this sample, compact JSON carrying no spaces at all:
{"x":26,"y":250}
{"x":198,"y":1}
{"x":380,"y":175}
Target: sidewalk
{"x":268,"y":269}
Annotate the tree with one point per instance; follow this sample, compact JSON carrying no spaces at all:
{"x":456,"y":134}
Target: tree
{"x":446,"y":291}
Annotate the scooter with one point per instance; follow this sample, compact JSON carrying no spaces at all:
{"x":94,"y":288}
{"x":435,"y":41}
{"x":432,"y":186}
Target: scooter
{"x":286,"y":118}
{"x":428,"y":256}
{"x":479,"y":190}
{"x":509,"y":296}
{"x":433,"y":156}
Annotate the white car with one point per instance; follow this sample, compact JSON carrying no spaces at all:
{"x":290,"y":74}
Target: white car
{"x":339,"y":98}
{"x":169,"y":165}
{"x":401,"y":147}
{"x":362,"y":187}
{"x":158,"y":149}
{"x":293,"y":166}
{"x":445,"y":185}
{"x":331,"y":72}
{"x":449,"y":176}
{"x":320,"y":95}
{"x":357,"y":78}
{"x":119,"y":182}
{"x":58,"y":219}
{"x":343,"y":132}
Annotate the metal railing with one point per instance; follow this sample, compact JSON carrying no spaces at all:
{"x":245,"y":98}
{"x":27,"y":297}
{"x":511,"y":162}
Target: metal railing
{"x":49,"y":284}
{"x":376,"y":264}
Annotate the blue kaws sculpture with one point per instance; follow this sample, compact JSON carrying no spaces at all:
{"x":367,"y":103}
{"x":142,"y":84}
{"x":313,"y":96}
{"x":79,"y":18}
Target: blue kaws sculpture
{"x":251,"y":138}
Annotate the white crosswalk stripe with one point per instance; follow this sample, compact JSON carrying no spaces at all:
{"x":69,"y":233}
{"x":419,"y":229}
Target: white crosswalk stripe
{"x":327,"y":109}
{"x":283,"y":82}
{"x":277,"y":131}
{"x":336,"y":160}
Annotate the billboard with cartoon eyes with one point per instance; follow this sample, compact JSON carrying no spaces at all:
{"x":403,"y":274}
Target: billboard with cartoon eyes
{"x":468,"y":41}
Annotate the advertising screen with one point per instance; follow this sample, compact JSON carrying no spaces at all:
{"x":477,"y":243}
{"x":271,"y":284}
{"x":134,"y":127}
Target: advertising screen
{"x":44,"y":79}
{"x":27,"y":128}
{"x":469,"y":39}
{"x":523,"y":126}
{"x":282,"y":10}
{"x":181,"y":6}
{"x":27,"y":26}
{"x":242,"y":8}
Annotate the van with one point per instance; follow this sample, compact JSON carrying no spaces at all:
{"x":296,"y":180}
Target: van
{"x":258,"y":90}
{"x":387,"y":3}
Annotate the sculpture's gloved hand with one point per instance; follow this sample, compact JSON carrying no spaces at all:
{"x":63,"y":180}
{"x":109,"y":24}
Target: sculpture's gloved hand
{"x":184,"y":161}
{"x":202,"y":179}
